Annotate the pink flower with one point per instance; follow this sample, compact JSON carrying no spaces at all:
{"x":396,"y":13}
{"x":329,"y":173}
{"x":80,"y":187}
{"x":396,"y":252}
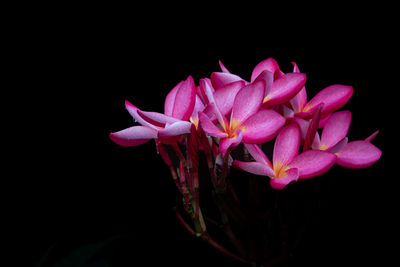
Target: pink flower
{"x":356,"y":154}
{"x":248,"y":123}
{"x":279,"y":87}
{"x":287,"y":165}
{"x":333,"y":97}
{"x":167,"y":127}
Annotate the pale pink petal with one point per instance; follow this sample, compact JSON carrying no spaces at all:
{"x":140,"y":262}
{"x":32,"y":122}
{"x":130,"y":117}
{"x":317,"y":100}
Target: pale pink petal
{"x":133,"y":111}
{"x":175,"y":129}
{"x":225,"y":96}
{"x":334,"y":97}
{"x":184,"y":100}
{"x":262,"y":126}
{"x":372,"y":136}
{"x":358,"y":154}
{"x":232,"y":142}
{"x":170,"y":99}
{"x":285,"y":88}
{"x":156,"y":119}
{"x":133,"y":136}
{"x":268,"y":64}
{"x":313,"y":163}
{"x":208,"y":126}
{"x":219,"y":79}
{"x":339,"y":146}
{"x":199,"y":106}
{"x":289,"y":176}
{"x":254,"y":167}
{"x":335,"y":129}
{"x":206,"y":91}
{"x":286,"y":145}
{"x":248,"y":101}
{"x":223,"y":68}
{"x":268,"y":77}
{"x":256,"y":152}
{"x":287,"y":112}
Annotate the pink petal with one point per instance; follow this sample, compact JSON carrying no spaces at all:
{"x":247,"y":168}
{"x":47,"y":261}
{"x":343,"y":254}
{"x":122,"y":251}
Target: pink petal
{"x":312,"y":128}
{"x":372,"y":136}
{"x":285,"y":88}
{"x":209,"y":127}
{"x":262,"y":126}
{"x":339,"y":146}
{"x":133,"y":136}
{"x":300,"y":100}
{"x":184,"y":100}
{"x":256,"y":152}
{"x":303,"y":125}
{"x":232,"y":142}
{"x":170,"y":99}
{"x":225,"y":96}
{"x":156,"y":119}
{"x":286,"y":145}
{"x":335,"y":129}
{"x":223,"y":68}
{"x":254,"y":167}
{"x":248,"y":101}
{"x":199,"y":106}
{"x":219,"y":79}
{"x":358,"y":154}
{"x":268,"y":64}
{"x":133,"y":111}
{"x":334,"y":97}
{"x":206,"y":90}
{"x":290,"y":176}
{"x":313,"y":163}
{"x":175,"y":129}
{"x":268,"y":77}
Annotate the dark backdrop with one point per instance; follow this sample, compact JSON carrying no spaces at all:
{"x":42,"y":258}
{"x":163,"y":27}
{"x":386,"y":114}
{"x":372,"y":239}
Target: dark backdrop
{"x":79,"y":193}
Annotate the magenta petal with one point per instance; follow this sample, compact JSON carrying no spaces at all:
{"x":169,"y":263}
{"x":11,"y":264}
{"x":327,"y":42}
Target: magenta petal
{"x":256,"y":152}
{"x":133,"y":111}
{"x":268,"y":64}
{"x":209,"y":127}
{"x":170,"y":99}
{"x":286,"y":145}
{"x":339,"y":146}
{"x":290,"y":176}
{"x":175,"y":129}
{"x":254,"y":167}
{"x":312,"y":128}
{"x":334,"y":97}
{"x":248,"y":101}
{"x":133,"y":136}
{"x":219,"y":79}
{"x":358,"y":154}
{"x":225,"y":96}
{"x":156,"y":119}
{"x":372,"y":136}
{"x":223,"y":68}
{"x":184,"y":100}
{"x":232,"y":142}
{"x":335,"y":129}
{"x":313,"y":163}
{"x":268,"y":77}
{"x":285,"y":88}
{"x":262,"y":126}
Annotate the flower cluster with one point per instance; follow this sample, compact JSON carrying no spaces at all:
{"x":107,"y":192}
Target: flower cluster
{"x":225,"y":110}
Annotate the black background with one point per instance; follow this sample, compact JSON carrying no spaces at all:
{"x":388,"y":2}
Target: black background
{"x":74,"y":189}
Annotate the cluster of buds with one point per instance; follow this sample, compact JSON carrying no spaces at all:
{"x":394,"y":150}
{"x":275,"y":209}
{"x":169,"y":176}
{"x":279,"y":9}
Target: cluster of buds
{"x":226,"y":112}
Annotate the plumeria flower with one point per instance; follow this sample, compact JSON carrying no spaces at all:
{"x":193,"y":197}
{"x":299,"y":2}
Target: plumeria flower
{"x":249,"y":123}
{"x":333,"y":97}
{"x":287,"y":165}
{"x":167,"y":127}
{"x":354,"y":155}
{"x":279,"y":87}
